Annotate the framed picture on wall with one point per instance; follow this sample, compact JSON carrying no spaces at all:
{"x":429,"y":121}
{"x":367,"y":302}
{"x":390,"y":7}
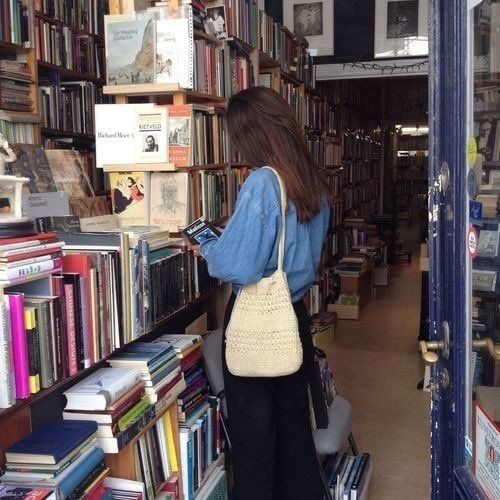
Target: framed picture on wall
{"x":314,"y":21}
{"x":401,"y":28}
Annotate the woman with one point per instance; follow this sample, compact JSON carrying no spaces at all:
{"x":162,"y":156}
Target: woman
{"x":269,"y":422}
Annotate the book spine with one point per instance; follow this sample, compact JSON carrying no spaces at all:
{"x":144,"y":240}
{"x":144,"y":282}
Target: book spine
{"x":47,"y":367}
{"x":127,"y":435}
{"x":133,"y":414}
{"x":362,"y":469}
{"x":24,"y":271}
{"x":7,"y":380}
{"x":71,"y":330}
{"x":87,"y":334}
{"x":19,"y":345}
{"x":33,"y":349}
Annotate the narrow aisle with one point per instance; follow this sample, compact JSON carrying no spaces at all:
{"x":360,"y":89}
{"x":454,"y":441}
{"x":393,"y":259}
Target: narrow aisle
{"x":377,"y":367}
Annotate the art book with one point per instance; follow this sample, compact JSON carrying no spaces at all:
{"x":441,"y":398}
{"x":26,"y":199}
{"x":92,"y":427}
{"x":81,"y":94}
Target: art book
{"x":488,"y":243}
{"x":200,"y":230}
{"x":169,"y":200}
{"x":180,"y":134}
{"x":115,"y":124}
{"x":130,"y":50}
{"x":32,"y":163}
{"x":130,"y":196}
{"x":68,"y":172}
{"x":151,"y":135}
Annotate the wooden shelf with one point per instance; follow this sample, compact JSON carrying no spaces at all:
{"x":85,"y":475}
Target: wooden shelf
{"x":147,"y":89}
{"x":13,"y":48}
{"x":77,"y":31}
{"x":291,"y":79}
{"x":69,"y":74}
{"x":201,"y":35}
{"x":140,"y":167}
{"x":62,"y":133}
{"x":267,"y":62}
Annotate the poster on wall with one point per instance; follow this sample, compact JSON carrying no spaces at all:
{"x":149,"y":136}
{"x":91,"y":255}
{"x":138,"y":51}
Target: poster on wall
{"x":401,"y":28}
{"x":312,"y":20}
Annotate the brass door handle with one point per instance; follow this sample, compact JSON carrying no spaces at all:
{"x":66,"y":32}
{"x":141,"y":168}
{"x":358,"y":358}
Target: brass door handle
{"x":493,"y":349}
{"x":426,"y":349}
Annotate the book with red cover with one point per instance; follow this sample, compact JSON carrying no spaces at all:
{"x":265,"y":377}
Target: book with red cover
{"x":190,"y":359}
{"x":42,"y":237}
{"x":81,"y":264}
{"x":69,"y":300}
{"x":19,"y":345}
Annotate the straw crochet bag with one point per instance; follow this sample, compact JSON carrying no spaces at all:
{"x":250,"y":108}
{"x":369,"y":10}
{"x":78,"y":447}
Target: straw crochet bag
{"x":262,"y":337}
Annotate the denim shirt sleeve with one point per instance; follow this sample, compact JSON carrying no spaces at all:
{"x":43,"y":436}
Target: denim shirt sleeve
{"x":242,"y":252}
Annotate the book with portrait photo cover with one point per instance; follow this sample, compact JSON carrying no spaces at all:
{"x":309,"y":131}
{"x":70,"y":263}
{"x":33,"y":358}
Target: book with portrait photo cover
{"x":200,"y":230}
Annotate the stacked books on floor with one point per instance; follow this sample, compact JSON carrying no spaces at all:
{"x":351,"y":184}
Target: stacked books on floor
{"x":15,"y":80}
{"x":59,"y":455}
{"x":116,"y":399}
{"x":201,"y":443}
{"x":352,"y":265}
{"x":349,"y":476}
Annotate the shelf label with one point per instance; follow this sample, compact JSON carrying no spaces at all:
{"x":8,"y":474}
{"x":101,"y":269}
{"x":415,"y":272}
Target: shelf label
{"x":475,"y":212}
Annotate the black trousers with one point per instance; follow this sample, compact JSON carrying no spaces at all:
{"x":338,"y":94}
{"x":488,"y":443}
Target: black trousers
{"x":273,"y":451}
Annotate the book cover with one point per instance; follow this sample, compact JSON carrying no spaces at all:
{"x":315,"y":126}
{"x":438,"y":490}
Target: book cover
{"x":32,"y":163}
{"x":130,"y":194}
{"x":115,"y":132}
{"x":8,"y":385}
{"x":32,"y":335}
{"x":101,"y":389}
{"x":181,"y":342}
{"x":62,"y":335}
{"x":180,"y":117}
{"x":68,"y":172}
{"x":67,"y":223}
{"x":91,"y":206}
{"x":151,"y":135}
{"x":130,"y":51}
{"x":27,"y":492}
{"x":169,"y":200}
{"x":19,"y":344}
{"x":51,"y":441}
{"x":200,"y":230}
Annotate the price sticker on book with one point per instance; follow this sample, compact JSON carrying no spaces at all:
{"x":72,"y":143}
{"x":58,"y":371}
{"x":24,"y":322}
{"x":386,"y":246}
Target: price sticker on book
{"x":472,"y":242}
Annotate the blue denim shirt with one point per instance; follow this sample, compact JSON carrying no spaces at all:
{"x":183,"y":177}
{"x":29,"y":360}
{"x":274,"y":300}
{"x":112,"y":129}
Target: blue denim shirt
{"x":248,"y":247}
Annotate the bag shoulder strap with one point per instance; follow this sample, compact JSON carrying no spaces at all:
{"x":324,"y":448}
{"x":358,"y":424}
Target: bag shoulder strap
{"x":281,"y":247}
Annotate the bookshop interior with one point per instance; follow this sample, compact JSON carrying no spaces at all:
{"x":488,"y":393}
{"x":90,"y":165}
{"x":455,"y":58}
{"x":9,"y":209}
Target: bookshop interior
{"x":116,"y":159}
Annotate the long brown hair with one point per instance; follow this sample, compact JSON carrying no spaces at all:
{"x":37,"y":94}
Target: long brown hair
{"x":263,"y":128}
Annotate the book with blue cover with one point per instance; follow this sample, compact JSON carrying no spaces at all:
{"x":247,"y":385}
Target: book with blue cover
{"x":51,"y":442}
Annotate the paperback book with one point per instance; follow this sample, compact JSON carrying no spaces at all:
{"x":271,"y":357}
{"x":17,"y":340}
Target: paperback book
{"x":200,"y":230}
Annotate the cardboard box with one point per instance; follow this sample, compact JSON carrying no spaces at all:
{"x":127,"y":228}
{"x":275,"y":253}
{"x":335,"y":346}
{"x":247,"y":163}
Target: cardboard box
{"x":424,"y":257}
{"x":381,"y":276}
{"x":324,"y":339}
{"x":362,"y":285}
{"x":345,"y":311}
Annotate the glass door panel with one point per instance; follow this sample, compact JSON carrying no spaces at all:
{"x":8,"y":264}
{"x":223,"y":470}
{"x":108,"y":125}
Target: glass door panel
{"x":482,"y":381}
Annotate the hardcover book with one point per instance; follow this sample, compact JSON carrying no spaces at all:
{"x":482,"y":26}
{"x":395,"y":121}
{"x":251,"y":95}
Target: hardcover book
{"x":151,"y":135}
{"x":27,"y":493}
{"x":51,"y":442}
{"x":101,"y":389}
{"x":169,"y":200}
{"x":130,"y":197}
{"x":130,"y":51}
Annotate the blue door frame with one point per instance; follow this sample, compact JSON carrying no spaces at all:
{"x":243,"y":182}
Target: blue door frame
{"x":451,"y":478}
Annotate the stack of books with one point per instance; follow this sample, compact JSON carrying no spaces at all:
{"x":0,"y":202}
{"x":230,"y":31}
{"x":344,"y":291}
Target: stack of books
{"x":352,"y":265}
{"x":15,"y":79}
{"x":201,"y":442}
{"x":158,"y":364}
{"x":23,"y":256}
{"x":59,"y":455}
{"x":349,"y":476}
{"x":491,"y":204}
{"x":125,"y":488}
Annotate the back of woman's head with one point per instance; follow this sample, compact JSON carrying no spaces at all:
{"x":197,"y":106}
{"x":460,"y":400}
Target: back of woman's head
{"x":263,"y":128}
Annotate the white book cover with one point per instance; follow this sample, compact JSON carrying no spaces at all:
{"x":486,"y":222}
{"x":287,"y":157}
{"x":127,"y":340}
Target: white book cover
{"x":103,"y":387}
{"x":151,"y":135}
{"x":115,"y":128}
{"x":169,"y":200}
{"x":488,"y":243}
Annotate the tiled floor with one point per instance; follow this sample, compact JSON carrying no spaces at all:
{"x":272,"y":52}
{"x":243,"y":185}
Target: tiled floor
{"x":377,"y":367}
